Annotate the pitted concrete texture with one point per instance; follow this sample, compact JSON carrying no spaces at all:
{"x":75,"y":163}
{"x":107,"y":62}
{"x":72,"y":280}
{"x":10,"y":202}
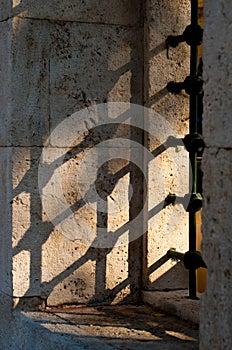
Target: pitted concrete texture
{"x":70,"y":66}
{"x":217,"y":126}
{"x":216,"y":304}
{"x":93,"y":11}
{"x":174,"y":303}
{"x":57,"y":58}
{"x":164,"y":18}
{"x":112,"y":327}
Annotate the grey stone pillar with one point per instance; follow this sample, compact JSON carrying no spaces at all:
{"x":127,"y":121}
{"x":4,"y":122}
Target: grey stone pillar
{"x":216,"y":304}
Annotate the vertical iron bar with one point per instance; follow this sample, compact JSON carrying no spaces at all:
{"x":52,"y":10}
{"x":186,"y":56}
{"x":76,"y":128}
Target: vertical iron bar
{"x":192,"y":155}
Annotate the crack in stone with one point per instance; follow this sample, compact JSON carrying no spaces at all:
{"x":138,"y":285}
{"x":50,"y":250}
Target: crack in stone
{"x":64,"y":21}
{"x":7,"y":19}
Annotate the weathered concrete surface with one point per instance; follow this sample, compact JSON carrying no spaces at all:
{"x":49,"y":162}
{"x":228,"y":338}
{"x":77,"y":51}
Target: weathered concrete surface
{"x":5,"y":319}
{"x":217,"y":74}
{"x":5,"y":222}
{"x":5,"y":9}
{"x":5,"y":245}
{"x":174,"y":303}
{"x":92,"y":64}
{"x":5,"y":75}
{"x":109,"y":12}
{"x":106,"y":12}
{"x":216,"y":304}
{"x":25,"y":92}
{"x":58,"y":60}
{"x":216,"y":307}
{"x":133,"y":327}
{"x":217,"y":163}
{"x":168,"y":228}
{"x":55,"y":69}
{"x":48,"y":84}
{"x":29,"y":124}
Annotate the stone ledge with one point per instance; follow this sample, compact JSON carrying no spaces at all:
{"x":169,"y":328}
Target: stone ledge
{"x":43,"y":331}
{"x":174,"y":303}
{"x":118,"y":327}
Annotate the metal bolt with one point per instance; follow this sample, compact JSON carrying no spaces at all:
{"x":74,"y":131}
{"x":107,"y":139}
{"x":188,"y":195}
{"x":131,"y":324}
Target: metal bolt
{"x":194,"y":142}
{"x":192,"y":35}
{"x":192,"y":85}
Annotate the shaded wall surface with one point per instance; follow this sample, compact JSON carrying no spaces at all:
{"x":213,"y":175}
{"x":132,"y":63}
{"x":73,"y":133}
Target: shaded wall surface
{"x":58,"y":58}
{"x":216,"y":305}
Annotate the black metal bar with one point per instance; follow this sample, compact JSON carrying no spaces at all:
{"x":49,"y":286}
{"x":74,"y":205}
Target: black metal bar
{"x":192,"y":154}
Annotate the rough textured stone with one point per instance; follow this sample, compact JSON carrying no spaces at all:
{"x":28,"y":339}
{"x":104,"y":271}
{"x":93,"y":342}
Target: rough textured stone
{"x":5,"y":319}
{"x":137,"y":327}
{"x":60,"y":68}
{"x":5,"y":222}
{"x":5,"y":245}
{"x":109,"y":57}
{"x":162,"y":65}
{"x":61,"y":282}
{"x":112,"y":12}
{"x":30,"y":79}
{"x":5,"y":76}
{"x":48,"y":61}
{"x":46,"y":264}
{"x":29,"y":230}
{"x":57,"y":66}
{"x":38,"y":79}
{"x":5,"y":9}
{"x":24,"y":96}
{"x":174,"y":303}
{"x":47,"y":73}
{"x":216,"y":306}
{"x":217,"y":183}
{"x":217,"y":74}
{"x":57,"y":268}
{"x":166,"y":227}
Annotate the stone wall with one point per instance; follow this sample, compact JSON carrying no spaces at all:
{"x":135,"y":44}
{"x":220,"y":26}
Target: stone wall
{"x":216,"y":305}
{"x":168,"y":227}
{"x":56,"y":59}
